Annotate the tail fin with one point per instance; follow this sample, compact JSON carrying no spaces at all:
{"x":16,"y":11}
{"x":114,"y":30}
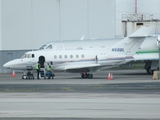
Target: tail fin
{"x":130,"y":44}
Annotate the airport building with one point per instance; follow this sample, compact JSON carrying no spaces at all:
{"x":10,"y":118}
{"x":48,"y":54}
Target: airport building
{"x":28,"y":24}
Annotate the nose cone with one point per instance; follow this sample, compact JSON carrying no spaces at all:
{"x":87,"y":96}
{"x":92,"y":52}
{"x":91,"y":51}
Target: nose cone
{"x":7,"y":65}
{"x":10,"y":64}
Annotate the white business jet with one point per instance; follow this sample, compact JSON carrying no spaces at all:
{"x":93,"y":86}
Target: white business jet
{"x":85,"y":61}
{"x":147,"y":53}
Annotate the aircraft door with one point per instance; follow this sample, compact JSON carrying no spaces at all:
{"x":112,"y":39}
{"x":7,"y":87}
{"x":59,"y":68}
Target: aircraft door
{"x":42,"y":61}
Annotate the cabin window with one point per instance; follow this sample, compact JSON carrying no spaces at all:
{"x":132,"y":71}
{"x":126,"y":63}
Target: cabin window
{"x":77,"y":56}
{"x":29,"y":56}
{"x":65,"y":56}
{"x":82,"y":56}
{"x":60,"y":56}
{"x":55,"y":57}
{"x":71,"y":56}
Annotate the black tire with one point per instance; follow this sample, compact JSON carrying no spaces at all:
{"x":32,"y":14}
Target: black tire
{"x":85,"y":75}
{"x":90,"y":76}
{"x":149,"y":71}
{"x":82,"y":76}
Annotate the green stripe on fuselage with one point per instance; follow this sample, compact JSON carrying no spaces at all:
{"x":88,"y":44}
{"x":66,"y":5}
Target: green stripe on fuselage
{"x":147,"y":51}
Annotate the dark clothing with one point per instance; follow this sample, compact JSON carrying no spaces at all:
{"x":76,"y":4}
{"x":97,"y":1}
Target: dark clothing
{"x":49,"y":74}
{"x":38,"y":74}
{"x":38,"y":69}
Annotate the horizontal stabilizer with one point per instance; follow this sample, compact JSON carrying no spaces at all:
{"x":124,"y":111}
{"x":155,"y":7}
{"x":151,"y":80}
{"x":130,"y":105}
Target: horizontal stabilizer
{"x":143,"y":32}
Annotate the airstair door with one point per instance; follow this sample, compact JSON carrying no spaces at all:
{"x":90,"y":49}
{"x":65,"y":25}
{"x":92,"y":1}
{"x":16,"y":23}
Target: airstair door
{"x":42,"y":61}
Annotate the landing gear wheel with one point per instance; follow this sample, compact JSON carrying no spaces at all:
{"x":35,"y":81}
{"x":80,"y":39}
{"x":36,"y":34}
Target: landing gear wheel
{"x":90,"y":76}
{"x":87,"y":75}
{"x":149,"y":71}
{"x":84,"y":75}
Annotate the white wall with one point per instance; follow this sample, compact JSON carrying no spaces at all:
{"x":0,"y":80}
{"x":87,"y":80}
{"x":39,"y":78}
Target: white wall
{"x":16,"y":24}
{"x":150,"y":7}
{"x":45,"y":21}
{"x":28,"y":24}
{"x":73,"y":19}
{"x":102,"y":18}
{"x":123,"y":7}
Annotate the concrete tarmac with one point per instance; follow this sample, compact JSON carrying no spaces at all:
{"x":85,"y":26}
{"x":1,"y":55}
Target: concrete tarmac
{"x":131,"y":95}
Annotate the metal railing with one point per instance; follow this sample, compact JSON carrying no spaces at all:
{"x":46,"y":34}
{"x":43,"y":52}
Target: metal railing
{"x":138,"y":18}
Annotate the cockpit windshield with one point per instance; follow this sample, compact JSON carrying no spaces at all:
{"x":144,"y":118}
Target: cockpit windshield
{"x":49,"y":47}
{"x":46,"y":46}
{"x":27,"y":56}
{"x":43,"y":47}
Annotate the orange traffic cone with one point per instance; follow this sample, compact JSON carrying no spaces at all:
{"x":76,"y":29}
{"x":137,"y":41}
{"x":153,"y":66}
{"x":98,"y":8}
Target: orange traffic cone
{"x":13,"y":74}
{"x":109,"y":76}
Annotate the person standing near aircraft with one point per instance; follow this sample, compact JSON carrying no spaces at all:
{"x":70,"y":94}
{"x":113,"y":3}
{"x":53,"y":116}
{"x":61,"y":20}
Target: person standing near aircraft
{"x":49,"y":71}
{"x":38,"y":69}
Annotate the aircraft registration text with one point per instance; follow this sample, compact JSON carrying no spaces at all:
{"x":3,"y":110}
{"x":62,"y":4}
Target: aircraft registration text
{"x":117,"y":49}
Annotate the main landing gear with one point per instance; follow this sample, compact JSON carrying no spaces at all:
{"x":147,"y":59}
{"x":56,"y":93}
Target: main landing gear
{"x":87,"y":75}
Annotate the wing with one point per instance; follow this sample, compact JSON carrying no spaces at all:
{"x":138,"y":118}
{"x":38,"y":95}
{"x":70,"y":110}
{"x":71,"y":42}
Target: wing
{"x":82,"y":68}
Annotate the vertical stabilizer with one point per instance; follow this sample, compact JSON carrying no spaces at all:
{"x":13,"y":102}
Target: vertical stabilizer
{"x":130,"y":44}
